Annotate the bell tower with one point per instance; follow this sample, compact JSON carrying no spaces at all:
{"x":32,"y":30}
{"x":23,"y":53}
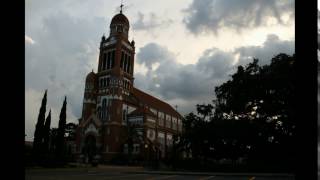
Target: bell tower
{"x":116,"y":57}
{"x":114,"y":79}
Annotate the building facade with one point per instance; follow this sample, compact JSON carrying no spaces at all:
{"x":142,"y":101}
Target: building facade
{"x":116,"y":116}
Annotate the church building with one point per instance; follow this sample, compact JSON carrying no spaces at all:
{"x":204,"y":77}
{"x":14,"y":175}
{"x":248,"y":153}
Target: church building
{"x":117,"y":117}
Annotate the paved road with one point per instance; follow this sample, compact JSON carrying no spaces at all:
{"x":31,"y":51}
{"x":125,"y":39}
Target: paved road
{"x":81,"y":174}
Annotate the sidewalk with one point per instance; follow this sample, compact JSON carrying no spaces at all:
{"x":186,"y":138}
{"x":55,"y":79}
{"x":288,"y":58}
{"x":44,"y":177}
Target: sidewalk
{"x":213,"y":173}
{"x":141,"y":170}
{"x":120,"y":168}
{"x":77,"y":167}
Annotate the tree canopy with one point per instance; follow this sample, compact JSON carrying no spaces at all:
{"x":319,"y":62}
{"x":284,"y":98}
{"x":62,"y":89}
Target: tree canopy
{"x":251,"y":117}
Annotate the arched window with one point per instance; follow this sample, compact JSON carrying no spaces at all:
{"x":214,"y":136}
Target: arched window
{"x":125,"y":63}
{"x":99,"y":113}
{"x":112,"y":58}
{"x":119,"y":28}
{"x":109,"y":60}
{"x":104,"y":109}
{"x":122,"y":59}
{"x":104,"y":61}
{"x":124,"y":116}
{"x":113,"y":29}
{"x":128,"y":69}
{"x":101,"y":83}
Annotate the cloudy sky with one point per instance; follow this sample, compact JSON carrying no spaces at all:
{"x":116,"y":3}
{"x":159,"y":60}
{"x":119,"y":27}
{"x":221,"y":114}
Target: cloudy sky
{"x":184,"y":48}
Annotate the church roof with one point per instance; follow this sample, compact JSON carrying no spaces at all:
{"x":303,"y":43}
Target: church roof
{"x":142,"y":111}
{"x":120,"y":19}
{"x":154,"y":102}
{"x":91,"y":77}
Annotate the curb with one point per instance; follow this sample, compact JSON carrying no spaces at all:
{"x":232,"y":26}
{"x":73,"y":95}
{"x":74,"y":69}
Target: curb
{"x":211,"y":173}
{"x":183,"y":173}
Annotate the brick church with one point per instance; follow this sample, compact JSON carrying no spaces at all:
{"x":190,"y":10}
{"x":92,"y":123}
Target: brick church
{"x":116,"y":115}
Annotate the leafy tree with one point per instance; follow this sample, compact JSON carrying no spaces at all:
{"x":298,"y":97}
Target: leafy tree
{"x":195,"y":138}
{"x":264,"y":96}
{"x":70,"y":131}
{"x":253,"y":117}
{"x":70,"y":135}
{"x":205,"y":111}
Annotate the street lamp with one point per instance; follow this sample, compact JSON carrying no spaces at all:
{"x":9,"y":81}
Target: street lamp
{"x":127,"y":116}
{"x":147,"y":152}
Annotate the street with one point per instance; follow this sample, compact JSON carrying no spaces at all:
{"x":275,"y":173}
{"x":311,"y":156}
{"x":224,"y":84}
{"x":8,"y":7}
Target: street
{"x":85,"y":174}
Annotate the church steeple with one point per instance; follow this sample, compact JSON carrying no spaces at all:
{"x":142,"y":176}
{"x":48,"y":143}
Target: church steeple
{"x":121,"y":7}
{"x":116,"y":58}
{"x":119,"y":25}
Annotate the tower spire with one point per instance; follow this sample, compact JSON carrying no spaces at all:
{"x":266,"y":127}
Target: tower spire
{"x":121,"y":7}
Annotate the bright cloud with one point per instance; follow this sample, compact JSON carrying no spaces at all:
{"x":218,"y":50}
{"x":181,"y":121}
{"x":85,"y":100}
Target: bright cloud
{"x":28,"y":40}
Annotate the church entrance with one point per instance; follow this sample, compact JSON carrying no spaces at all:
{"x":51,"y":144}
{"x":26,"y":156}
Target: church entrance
{"x":90,"y":148}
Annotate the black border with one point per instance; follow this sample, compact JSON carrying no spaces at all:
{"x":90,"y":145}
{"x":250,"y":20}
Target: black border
{"x":12,"y":86}
{"x":14,"y":96}
{"x":13,"y":90}
{"x":306,"y":89}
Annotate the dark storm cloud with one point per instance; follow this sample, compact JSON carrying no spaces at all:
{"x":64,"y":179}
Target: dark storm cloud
{"x":174,"y":82}
{"x":215,"y":62}
{"x":211,"y":15}
{"x":152,"y":22}
{"x":152,"y":53}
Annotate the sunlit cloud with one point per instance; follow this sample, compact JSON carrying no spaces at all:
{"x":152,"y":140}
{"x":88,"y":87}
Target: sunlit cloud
{"x":28,"y":40}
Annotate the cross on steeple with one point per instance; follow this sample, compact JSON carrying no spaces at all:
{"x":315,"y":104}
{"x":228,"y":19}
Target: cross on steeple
{"x":121,"y":7}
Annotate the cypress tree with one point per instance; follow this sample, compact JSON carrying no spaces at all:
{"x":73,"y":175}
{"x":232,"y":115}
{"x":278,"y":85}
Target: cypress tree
{"x":38,"y":134}
{"x":46,"y":133}
{"x":61,"y":132}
